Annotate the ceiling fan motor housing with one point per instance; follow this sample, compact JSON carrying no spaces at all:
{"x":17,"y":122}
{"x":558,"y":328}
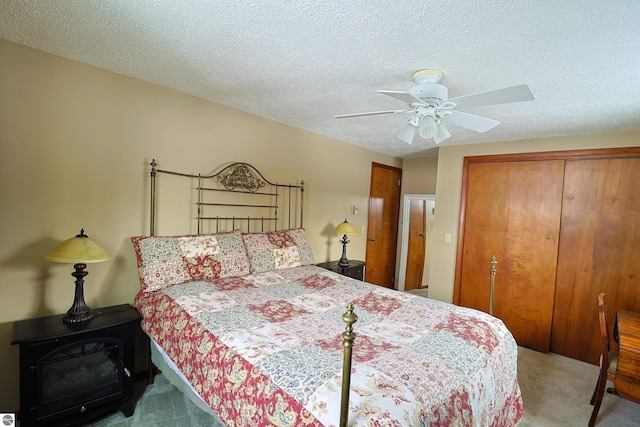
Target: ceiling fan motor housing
{"x":430,"y":92}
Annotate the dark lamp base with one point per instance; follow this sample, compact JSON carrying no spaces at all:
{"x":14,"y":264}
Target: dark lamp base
{"x":344,"y":262}
{"x":79,"y":311}
{"x":78,"y":318}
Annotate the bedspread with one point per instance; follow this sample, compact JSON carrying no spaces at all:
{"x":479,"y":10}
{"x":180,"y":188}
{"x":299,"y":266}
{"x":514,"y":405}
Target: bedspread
{"x":266,"y":349}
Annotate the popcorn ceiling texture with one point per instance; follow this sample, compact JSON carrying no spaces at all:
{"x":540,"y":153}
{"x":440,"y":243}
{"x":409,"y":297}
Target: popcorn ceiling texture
{"x":300,"y":63}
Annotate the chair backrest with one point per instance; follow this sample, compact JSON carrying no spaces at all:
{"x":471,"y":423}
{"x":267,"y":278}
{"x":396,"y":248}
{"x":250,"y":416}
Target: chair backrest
{"x":604,"y":328}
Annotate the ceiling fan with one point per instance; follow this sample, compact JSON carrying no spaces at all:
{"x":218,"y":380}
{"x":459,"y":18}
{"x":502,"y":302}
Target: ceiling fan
{"x":430,"y":107}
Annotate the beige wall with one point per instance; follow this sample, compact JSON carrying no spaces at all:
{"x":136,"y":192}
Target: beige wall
{"x":419,"y":175}
{"x":75,"y":143}
{"x":448,"y":188}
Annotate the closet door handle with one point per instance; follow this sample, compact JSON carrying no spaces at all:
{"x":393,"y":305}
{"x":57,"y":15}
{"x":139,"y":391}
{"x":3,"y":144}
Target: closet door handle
{"x":373,"y":239}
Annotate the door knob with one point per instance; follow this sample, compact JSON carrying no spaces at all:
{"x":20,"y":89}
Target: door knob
{"x":373,"y":239}
{"x":421,"y":234}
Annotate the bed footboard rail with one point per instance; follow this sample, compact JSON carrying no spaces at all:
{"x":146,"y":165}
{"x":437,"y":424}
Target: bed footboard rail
{"x":348,"y":337}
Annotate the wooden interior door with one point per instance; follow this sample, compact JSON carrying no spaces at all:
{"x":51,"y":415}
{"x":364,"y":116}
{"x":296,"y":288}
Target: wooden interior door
{"x":512,"y":212}
{"x":382,"y":228}
{"x":416,"y":243}
{"x":599,"y":252}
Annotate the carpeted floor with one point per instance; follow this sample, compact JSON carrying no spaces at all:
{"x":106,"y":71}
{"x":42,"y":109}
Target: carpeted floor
{"x":161,"y":404}
{"x":555,"y":390}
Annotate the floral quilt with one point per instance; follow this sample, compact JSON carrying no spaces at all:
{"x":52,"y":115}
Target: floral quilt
{"x":266,"y":350}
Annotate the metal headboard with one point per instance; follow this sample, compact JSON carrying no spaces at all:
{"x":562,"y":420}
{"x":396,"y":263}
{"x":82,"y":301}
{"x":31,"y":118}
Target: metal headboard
{"x":257,"y":207}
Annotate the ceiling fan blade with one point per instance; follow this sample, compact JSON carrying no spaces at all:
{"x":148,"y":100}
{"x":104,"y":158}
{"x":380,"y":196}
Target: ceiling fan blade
{"x":499,"y":96}
{"x":402,"y":96}
{"x":471,"y":121}
{"x":372,"y":113}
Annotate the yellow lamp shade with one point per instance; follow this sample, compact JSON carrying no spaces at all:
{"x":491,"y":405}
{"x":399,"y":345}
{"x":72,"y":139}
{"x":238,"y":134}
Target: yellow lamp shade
{"x":345,"y":228}
{"x":78,"y":249}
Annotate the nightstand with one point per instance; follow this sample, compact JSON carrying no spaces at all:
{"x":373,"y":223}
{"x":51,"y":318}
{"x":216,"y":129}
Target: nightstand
{"x":71,"y":373}
{"x":355,"y":269}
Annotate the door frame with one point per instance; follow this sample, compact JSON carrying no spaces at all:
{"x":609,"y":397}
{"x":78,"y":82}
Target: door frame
{"x":404,"y":239}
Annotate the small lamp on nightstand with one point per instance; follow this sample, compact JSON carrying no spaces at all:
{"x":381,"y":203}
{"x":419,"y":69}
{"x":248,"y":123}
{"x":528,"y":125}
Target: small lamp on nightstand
{"x":344,"y":228}
{"x":79,"y":250}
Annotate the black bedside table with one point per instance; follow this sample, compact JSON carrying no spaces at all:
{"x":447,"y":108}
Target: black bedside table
{"x":355,"y":269}
{"x":71,"y":373}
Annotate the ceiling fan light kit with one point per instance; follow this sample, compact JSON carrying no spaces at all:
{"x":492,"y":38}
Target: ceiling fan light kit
{"x":441,"y":135}
{"x":406,"y":133}
{"x":428,"y":102}
{"x":428,"y":127}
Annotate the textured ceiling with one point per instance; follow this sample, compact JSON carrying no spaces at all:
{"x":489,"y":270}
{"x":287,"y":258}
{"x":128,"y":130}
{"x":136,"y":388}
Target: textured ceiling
{"x":302,"y":62}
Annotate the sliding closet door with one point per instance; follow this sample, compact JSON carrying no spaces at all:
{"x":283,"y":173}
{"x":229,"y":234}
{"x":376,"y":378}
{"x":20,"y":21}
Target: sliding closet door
{"x":512,"y":212}
{"x":599,"y":251}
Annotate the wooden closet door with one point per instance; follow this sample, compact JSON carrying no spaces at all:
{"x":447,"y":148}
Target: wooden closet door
{"x":599,"y":252}
{"x":512,"y":212}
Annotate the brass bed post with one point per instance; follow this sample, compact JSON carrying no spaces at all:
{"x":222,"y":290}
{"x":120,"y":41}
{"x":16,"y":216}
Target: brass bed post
{"x":275,"y":210}
{"x":152,"y":232}
{"x":289,"y":206}
{"x":301,"y":203}
{"x":152,"y":225}
{"x":199,"y":210}
{"x":492,"y":283}
{"x":347,"y":341}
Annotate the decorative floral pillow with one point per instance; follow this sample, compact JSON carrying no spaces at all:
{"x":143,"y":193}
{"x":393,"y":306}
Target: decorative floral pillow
{"x":274,"y":250}
{"x":165,"y":261}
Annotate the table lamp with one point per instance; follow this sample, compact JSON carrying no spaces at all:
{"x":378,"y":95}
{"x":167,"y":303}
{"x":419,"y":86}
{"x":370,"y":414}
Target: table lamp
{"x":79,"y":250}
{"x":344,"y":228}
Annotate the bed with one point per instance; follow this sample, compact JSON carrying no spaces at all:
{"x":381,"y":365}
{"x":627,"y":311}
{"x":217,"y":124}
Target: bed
{"x":242,"y":321}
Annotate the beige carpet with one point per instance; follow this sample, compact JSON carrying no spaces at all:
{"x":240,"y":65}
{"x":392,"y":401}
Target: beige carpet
{"x":556,"y":391}
{"x":161,"y":405}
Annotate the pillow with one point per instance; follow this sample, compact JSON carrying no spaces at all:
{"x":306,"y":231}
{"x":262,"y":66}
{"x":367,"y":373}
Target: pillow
{"x":165,"y":261}
{"x":273,"y":250}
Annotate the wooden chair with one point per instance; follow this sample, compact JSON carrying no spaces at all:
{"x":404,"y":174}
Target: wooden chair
{"x":608,"y":361}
